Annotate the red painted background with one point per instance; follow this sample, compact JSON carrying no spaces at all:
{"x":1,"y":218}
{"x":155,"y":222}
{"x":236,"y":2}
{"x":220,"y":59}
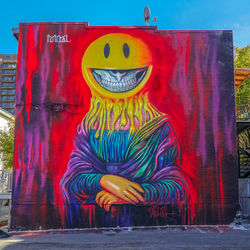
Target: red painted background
{"x":191,"y":81}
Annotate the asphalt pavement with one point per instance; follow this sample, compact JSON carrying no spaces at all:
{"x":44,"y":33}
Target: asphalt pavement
{"x":217,"y":237}
{"x":169,"y":237}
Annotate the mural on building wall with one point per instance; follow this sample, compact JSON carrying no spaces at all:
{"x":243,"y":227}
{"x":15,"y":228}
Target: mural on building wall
{"x":126,"y":151}
{"x":122,"y":127}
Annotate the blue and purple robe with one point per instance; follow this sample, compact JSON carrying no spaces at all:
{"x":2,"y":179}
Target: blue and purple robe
{"x":149,"y":157}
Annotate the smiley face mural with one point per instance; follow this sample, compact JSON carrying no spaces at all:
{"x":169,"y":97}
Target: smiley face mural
{"x":117,"y":65}
{"x":123,"y":126}
{"x":126,"y":151}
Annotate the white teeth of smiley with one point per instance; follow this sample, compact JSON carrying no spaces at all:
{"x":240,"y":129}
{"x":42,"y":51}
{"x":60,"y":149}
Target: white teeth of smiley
{"x":119,"y":80}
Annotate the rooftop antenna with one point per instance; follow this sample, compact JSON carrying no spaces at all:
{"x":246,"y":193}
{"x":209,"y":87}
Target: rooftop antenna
{"x":147,"y":16}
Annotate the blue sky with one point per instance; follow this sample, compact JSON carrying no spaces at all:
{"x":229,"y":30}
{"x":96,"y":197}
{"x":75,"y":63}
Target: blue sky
{"x":172,"y":15}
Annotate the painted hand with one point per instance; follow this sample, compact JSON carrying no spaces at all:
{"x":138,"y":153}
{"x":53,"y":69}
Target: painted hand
{"x":122,"y":188}
{"x":105,"y":199}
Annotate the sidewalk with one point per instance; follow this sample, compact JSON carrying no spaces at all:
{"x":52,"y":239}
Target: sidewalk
{"x":220,"y":237}
{"x":168,"y":237}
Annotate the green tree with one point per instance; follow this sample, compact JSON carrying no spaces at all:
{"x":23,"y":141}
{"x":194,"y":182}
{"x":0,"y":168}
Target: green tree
{"x":242,"y":59}
{"x":242,"y":93}
{"x":7,"y":145}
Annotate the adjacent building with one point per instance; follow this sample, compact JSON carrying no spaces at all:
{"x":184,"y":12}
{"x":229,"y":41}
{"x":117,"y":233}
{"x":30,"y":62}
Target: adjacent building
{"x":5,"y":117}
{"x":8,"y":65}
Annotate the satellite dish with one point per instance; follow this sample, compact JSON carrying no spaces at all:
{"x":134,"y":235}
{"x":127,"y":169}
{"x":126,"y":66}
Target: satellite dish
{"x":146,"y":15}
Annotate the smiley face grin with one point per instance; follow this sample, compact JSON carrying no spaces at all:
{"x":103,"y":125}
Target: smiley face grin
{"x":119,"y":81}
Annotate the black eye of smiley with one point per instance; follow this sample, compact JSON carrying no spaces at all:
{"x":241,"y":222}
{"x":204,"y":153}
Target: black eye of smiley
{"x":106,"y":50}
{"x":126,"y":50}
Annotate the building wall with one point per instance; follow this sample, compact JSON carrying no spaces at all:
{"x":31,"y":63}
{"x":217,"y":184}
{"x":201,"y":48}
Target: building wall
{"x":123,"y":126}
{"x":8,"y":82}
{"x":4,"y":119}
{"x":244,"y":187}
{"x":3,"y":123}
{"x":244,"y":196}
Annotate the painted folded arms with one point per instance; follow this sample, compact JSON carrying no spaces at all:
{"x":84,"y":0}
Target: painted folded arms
{"x":150,"y":174}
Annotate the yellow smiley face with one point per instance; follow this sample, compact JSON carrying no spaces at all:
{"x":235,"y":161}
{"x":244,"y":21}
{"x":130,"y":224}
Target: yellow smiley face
{"x":117,"y":65}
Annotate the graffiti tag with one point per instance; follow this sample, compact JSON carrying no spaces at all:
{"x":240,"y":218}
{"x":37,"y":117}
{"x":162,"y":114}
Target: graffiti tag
{"x":57,"y":39}
{"x":156,"y":211}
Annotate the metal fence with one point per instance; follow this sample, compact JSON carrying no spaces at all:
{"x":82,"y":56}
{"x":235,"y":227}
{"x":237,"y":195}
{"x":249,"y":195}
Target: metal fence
{"x":243,"y":111}
{"x":245,"y":206}
{"x":5,"y":181}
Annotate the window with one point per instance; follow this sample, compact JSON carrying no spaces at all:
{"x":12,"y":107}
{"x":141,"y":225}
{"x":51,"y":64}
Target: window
{"x":7,"y":98}
{"x":8,"y":71}
{"x":8,"y":78}
{"x":9,"y":65}
{"x":8,"y":57}
{"x":8,"y":91}
{"x":8,"y":84}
